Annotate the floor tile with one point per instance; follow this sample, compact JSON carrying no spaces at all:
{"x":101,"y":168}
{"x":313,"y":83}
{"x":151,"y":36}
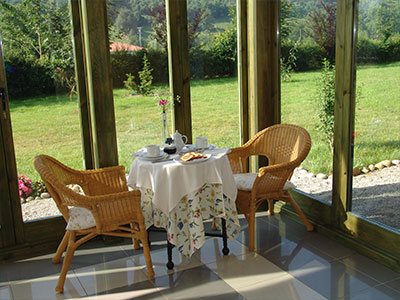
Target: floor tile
{"x":108,"y":276}
{"x":394,"y":284}
{"x":140,"y":290}
{"x":332,"y":279}
{"x":240,"y":271}
{"x":100,"y":253}
{"x":43,"y":288}
{"x":371,"y":268}
{"x":195,"y":283}
{"x":31,"y":268}
{"x":5,"y":293}
{"x":327,"y":246}
{"x":160,"y":259}
{"x":266,"y":236}
{"x":381,"y":292}
{"x":212,"y":250}
{"x":284,"y":287}
{"x":291,"y":255}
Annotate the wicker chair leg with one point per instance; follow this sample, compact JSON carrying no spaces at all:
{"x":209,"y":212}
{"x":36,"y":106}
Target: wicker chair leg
{"x":271,"y":207}
{"x":214,"y":225}
{"x":251,"y":220}
{"x":61,"y":248}
{"x":300,"y":213}
{"x":136,"y":244}
{"x":147,"y":257}
{"x":67,"y":262}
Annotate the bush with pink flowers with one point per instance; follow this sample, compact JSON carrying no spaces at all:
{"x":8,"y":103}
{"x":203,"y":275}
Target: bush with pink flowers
{"x":28,"y":188}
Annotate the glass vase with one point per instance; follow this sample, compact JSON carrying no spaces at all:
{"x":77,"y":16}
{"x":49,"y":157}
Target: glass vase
{"x":165,"y":132}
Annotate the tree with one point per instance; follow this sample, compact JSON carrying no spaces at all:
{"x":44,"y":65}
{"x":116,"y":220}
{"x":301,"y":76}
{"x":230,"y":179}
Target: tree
{"x":158,"y":19}
{"x":322,"y":28}
{"x":224,"y":44}
{"x":39,"y":30}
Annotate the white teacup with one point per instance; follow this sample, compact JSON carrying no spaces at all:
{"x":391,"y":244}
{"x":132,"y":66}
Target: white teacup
{"x":153,"y":150}
{"x":201,"y":142}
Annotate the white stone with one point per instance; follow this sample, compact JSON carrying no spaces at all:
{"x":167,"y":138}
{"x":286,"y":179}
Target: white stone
{"x":38,"y":198}
{"x":45,"y":195}
{"x":371,"y":167}
{"x":303,"y":172}
{"x":30,"y":198}
{"x":387,"y":163}
{"x":365,"y":170}
{"x":322,"y":176}
{"x":379,"y":166}
{"x":310,"y":175}
{"x":396,"y":162}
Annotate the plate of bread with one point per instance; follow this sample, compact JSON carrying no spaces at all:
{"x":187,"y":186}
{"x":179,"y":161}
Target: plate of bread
{"x":192,"y":157}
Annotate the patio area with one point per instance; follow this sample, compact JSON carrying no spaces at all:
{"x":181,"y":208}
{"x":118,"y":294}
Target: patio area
{"x":289,"y":263}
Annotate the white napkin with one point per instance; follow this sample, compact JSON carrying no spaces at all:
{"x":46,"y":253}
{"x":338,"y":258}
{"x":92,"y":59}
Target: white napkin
{"x":139,"y":152}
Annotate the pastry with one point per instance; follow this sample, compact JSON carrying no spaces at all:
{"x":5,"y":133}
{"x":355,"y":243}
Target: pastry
{"x":191,"y":156}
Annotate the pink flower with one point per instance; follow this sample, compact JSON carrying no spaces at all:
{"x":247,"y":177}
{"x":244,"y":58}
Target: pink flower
{"x":163,"y":102}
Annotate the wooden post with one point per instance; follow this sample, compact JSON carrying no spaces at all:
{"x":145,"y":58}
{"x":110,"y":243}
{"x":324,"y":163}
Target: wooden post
{"x":263,"y":68}
{"x":243,"y":69}
{"x":178,"y":63}
{"x":344,"y":110}
{"x":99,"y":83}
{"x":11,"y":226}
{"x":80,"y":71}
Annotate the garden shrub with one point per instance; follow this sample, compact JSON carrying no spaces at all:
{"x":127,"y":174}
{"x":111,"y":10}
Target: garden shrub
{"x":26,"y":77}
{"x":326,"y":102}
{"x":145,"y":78}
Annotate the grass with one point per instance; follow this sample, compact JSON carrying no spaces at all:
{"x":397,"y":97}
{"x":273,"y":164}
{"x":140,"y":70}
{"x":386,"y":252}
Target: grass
{"x":51,"y":124}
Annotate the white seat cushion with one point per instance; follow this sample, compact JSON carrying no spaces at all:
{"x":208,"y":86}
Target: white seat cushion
{"x":80,"y":218}
{"x":245,"y":182}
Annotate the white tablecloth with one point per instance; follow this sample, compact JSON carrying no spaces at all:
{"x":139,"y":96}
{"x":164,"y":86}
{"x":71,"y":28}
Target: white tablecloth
{"x":171,"y":180}
{"x":180,"y":197}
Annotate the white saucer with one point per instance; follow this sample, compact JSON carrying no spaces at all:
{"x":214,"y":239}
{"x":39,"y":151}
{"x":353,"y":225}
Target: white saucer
{"x":151,"y":158}
{"x":194,"y":161}
{"x":209,"y":147}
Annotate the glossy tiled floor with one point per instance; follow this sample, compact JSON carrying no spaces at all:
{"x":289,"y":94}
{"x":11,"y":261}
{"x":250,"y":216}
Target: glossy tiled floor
{"x":289,"y":263}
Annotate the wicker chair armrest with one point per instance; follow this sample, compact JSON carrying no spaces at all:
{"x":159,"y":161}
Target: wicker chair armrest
{"x":238,"y":159}
{"x":271,"y":179}
{"x":110,"y":210}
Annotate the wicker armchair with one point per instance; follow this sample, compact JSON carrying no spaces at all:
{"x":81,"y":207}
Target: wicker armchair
{"x":285,"y":146}
{"x":105,"y":208}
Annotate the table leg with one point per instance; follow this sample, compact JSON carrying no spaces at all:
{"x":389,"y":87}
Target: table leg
{"x":170,"y":263}
{"x":225,"y":250}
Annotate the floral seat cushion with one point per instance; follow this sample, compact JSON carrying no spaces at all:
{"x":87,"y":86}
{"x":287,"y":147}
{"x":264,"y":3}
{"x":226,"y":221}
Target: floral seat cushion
{"x":245,"y":182}
{"x":80,"y":218}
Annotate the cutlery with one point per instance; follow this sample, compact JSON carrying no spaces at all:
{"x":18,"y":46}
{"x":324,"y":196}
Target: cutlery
{"x":161,"y":160}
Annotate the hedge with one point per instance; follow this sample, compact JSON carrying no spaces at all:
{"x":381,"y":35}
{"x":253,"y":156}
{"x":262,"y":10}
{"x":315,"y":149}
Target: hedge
{"x":26,"y":77}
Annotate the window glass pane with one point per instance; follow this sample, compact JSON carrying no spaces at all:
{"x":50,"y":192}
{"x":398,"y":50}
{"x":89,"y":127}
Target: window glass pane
{"x":213,"y":71}
{"x":307,"y":86}
{"x":41,"y":84}
{"x":139,"y":59}
{"x":377,"y":116}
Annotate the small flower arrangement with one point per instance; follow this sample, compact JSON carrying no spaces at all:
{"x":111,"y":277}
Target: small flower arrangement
{"x":162,"y":101}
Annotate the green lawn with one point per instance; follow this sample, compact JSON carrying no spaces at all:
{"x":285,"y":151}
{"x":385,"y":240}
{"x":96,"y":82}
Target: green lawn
{"x":51,"y":124}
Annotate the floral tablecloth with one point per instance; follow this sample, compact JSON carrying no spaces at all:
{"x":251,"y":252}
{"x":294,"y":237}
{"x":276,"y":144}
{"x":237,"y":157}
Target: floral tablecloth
{"x":184,"y":224}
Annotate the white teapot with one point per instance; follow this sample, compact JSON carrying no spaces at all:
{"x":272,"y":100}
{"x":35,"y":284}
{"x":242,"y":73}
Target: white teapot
{"x":179,"y":140}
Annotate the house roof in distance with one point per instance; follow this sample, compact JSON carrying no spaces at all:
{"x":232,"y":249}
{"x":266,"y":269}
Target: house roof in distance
{"x":118,"y":46}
